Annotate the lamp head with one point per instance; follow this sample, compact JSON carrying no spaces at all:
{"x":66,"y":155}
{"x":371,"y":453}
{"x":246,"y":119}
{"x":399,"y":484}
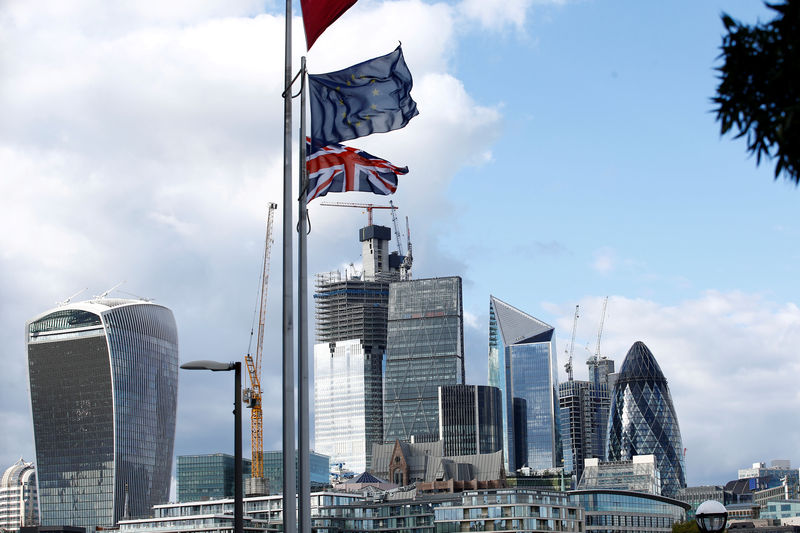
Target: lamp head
{"x":711,"y":517}
{"x":204,"y":364}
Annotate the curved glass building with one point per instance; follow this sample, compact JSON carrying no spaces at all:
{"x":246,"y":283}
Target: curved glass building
{"x":642,"y":419}
{"x":104,"y":387}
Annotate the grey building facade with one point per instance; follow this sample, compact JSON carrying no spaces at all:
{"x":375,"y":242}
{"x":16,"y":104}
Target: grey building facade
{"x":523,"y":363}
{"x":104,"y":384}
{"x":424,"y":350}
{"x":207,"y":477}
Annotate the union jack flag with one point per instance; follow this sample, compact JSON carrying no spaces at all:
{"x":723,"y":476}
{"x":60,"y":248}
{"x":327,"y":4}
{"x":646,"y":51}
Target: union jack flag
{"x":339,"y":168}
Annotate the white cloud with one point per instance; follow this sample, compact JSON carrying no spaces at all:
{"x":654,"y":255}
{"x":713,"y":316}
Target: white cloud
{"x":499,"y":14}
{"x":604,"y":260}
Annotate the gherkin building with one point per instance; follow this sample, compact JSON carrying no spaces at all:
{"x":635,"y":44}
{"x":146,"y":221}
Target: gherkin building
{"x":642,"y":419}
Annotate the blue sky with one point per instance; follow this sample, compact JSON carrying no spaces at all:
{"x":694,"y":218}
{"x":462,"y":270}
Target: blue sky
{"x":565,"y":151}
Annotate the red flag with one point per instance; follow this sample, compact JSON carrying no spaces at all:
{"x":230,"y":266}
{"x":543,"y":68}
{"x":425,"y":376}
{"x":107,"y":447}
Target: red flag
{"x":319,"y":14}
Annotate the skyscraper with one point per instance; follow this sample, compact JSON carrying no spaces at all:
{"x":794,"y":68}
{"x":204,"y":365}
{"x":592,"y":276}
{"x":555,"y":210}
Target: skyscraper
{"x":523,"y":364}
{"x":424,"y":350}
{"x":18,"y":499}
{"x":584,"y":416}
{"x":643,"y":420}
{"x":347,"y":402}
{"x":104,"y":387}
{"x":470,"y":419}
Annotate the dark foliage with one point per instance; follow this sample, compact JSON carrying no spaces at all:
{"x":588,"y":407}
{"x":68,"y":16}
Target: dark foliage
{"x":685,"y":527}
{"x":759,"y":86}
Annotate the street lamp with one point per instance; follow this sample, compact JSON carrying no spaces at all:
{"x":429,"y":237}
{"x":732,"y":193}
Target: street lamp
{"x":711,"y":517}
{"x":215,"y":366}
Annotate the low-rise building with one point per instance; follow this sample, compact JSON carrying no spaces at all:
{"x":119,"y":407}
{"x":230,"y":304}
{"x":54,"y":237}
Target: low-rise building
{"x":608,"y":510}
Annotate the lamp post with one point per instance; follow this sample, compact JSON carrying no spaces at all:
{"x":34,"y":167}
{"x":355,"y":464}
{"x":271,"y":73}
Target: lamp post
{"x":711,"y":517}
{"x":215,"y":366}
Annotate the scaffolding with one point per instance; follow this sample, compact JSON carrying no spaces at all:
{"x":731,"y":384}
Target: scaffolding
{"x":348,"y":307}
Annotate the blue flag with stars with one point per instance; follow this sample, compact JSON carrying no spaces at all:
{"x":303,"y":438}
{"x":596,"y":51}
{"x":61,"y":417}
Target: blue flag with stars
{"x":371,"y":97}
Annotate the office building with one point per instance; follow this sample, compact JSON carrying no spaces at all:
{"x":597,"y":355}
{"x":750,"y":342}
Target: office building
{"x":424,"y":350}
{"x":609,"y":510}
{"x":18,"y":497}
{"x":643,"y":420}
{"x":104,"y":387}
{"x":470,"y":419}
{"x":778,"y":470}
{"x":638,"y":474}
{"x":379,"y":263}
{"x":584,"y":418}
{"x":207,"y":477}
{"x":694,"y":496}
{"x":348,"y":406}
{"x":318,"y":464}
{"x":523,"y":363}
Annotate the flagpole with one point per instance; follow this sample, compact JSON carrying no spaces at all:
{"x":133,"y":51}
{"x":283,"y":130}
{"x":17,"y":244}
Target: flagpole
{"x":289,"y":469}
{"x":303,"y":451}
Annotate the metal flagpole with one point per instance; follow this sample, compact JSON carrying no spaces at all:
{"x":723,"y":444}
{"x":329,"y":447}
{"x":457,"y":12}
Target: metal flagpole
{"x":304,"y":492}
{"x":289,"y":479}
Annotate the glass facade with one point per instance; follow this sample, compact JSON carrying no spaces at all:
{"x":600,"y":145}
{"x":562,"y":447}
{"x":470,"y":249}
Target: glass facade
{"x":470,"y":419}
{"x":523,"y":363}
{"x":348,"y":417}
{"x":318,"y":464}
{"x":612,"y":511}
{"x":104,"y":383}
{"x":425,"y":350}
{"x":642,"y":418}
{"x":207,"y":477}
{"x":584,"y":419}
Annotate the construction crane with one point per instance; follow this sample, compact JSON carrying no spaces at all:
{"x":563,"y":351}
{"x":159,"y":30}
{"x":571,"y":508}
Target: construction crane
{"x":405,"y":266}
{"x":595,"y":359}
{"x":568,"y":366}
{"x":396,"y":229}
{"x":368,"y":207}
{"x":252,"y":394}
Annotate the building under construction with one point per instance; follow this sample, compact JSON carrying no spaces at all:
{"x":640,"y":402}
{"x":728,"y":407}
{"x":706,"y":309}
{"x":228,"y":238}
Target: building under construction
{"x":351,"y":322}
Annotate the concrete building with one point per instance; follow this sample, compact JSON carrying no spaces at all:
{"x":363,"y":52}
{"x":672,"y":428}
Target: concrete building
{"x":642,"y":418}
{"x":470,"y":419}
{"x":104,"y":385}
{"x":19,"y":503}
{"x":424,"y":351}
{"x":694,"y":496}
{"x":523,"y":364}
{"x":207,"y":477}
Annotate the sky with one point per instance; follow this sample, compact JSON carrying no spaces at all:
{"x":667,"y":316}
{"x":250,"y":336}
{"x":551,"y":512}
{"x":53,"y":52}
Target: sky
{"x":565,"y":151}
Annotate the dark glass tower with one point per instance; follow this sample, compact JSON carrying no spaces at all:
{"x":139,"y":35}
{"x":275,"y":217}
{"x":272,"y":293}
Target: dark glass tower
{"x":470,"y":419}
{"x":104,"y":387}
{"x":523,"y":364}
{"x":643,"y":420}
{"x":424,"y":350}
{"x":207,"y":477}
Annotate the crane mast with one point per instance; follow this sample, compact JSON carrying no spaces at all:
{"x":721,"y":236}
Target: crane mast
{"x":595,"y":359}
{"x":252,"y":394}
{"x":568,"y":366}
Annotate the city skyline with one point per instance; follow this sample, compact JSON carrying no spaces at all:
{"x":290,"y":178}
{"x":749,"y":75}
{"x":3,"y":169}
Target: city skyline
{"x":564,"y":152}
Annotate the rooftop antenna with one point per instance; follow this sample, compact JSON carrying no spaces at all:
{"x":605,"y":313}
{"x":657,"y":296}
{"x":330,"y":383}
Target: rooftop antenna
{"x":100,"y":297}
{"x":68,"y":300}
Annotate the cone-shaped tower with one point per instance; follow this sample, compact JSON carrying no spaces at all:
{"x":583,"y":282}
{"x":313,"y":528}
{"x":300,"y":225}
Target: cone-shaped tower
{"x":643,"y":420}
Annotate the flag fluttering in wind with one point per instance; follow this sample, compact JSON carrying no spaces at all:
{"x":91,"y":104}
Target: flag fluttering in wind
{"x":319,"y":14}
{"x":337,"y":168}
{"x":370,"y":97}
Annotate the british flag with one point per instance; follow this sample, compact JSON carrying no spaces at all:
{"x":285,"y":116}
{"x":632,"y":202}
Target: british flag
{"x":339,"y":168}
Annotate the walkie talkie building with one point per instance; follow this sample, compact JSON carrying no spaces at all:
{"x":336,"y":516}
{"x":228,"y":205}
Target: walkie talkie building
{"x":104,"y":387}
{"x":642,"y":418}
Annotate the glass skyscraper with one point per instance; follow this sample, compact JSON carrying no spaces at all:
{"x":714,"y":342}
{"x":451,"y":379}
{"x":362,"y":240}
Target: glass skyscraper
{"x":348,"y":417}
{"x":424,"y":350}
{"x":470,"y":419}
{"x":523,"y":363}
{"x":104,"y":387}
{"x":643,"y":420}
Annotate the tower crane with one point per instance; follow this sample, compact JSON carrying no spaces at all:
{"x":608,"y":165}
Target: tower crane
{"x":368,"y":207}
{"x":568,"y":366}
{"x":252,"y":394}
{"x":595,"y":359}
{"x":405,"y":266}
{"x":396,"y":229}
